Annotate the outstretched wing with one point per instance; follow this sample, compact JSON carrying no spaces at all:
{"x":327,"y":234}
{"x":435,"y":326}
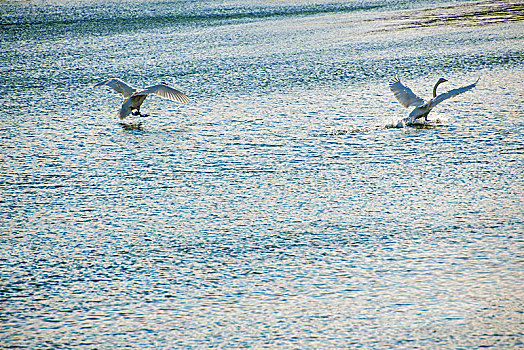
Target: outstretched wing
{"x":404,"y":95}
{"x":453,"y":93}
{"x":165,"y":91}
{"x":119,"y":86}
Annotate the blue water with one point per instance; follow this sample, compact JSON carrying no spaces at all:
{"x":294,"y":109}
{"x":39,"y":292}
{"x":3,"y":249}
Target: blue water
{"x":278,"y":209}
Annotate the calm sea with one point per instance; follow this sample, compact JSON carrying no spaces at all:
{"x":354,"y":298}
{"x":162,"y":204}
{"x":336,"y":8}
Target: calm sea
{"x":277,"y":209}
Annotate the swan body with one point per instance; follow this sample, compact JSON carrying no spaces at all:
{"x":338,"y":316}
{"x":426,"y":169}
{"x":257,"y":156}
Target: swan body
{"x":407,"y":98}
{"x":133,"y":99}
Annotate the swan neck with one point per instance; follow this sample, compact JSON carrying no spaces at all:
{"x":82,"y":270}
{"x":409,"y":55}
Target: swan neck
{"x":435,"y":88}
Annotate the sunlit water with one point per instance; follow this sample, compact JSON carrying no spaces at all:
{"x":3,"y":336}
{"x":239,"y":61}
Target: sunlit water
{"x":277,"y":209}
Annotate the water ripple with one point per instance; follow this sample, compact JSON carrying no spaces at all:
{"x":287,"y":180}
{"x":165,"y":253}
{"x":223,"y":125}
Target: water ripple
{"x":277,"y":209}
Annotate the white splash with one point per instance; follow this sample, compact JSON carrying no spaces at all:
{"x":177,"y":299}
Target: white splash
{"x":395,"y":122}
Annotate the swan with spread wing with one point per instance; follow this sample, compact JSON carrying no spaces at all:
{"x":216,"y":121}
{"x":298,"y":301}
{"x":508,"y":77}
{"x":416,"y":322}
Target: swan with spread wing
{"x":407,"y":98}
{"x":133,"y":99}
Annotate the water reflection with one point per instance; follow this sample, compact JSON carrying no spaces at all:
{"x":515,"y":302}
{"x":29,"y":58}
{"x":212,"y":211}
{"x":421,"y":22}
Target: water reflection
{"x":479,"y":13}
{"x":133,"y":126}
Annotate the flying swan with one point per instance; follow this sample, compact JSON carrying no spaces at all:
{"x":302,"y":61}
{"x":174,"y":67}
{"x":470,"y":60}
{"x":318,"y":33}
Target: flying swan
{"x":407,"y":98}
{"x":133,"y":99}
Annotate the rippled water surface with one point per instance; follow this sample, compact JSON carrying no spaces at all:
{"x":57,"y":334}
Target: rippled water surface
{"x":277,"y":209}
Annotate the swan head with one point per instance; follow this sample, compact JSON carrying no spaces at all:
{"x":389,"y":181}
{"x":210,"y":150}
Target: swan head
{"x":163,"y":82}
{"x":441,"y":80}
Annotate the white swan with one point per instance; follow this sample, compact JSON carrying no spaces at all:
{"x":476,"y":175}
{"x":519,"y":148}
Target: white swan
{"x":133,"y":99}
{"x":407,"y":98}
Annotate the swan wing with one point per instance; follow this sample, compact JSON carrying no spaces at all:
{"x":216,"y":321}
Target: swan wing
{"x":165,"y":91}
{"x":119,"y":86}
{"x":403,"y":94}
{"x":125,"y":110}
{"x":453,"y":93}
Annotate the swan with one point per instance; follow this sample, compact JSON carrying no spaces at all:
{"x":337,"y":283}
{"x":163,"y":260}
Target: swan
{"x":407,"y":98}
{"x":133,"y":99}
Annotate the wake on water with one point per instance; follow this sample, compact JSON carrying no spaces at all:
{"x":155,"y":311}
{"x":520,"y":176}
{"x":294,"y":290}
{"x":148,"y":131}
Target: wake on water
{"x":143,"y":124}
{"x":390,"y":123}
{"x":408,"y":122}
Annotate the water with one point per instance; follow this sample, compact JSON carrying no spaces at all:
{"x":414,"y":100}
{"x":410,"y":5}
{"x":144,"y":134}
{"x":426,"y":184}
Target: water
{"x":277,"y":209}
